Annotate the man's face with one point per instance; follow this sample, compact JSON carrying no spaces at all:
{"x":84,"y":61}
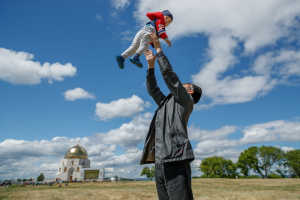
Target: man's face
{"x":187,"y":86}
{"x":168,"y":21}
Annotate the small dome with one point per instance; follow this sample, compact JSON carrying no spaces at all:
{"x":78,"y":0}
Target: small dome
{"x":76,"y":152}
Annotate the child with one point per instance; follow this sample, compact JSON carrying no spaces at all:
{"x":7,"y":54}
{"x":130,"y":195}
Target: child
{"x":159,"y":20}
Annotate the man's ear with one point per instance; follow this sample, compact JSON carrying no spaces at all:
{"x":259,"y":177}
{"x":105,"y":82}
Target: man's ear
{"x":191,"y":92}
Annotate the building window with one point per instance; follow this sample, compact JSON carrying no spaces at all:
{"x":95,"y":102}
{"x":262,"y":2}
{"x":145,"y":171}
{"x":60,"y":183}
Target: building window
{"x":81,"y":174}
{"x":83,"y":163}
{"x":60,"y":169}
{"x":63,"y":163}
{"x":72,"y":162}
{"x":101,"y":174}
{"x":65,"y":169}
{"x":77,"y":169}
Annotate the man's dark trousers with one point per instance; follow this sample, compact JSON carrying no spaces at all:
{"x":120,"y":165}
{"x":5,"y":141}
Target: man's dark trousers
{"x":173,"y":180}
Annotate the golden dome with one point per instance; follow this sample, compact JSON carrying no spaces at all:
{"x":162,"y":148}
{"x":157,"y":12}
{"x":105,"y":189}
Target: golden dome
{"x":76,"y":152}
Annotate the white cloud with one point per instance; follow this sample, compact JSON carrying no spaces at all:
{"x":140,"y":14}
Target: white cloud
{"x":114,"y":14}
{"x":78,"y":93}
{"x":283,"y":63}
{"x":199,"y":135}
{"x":98,"y":17}
{"x":228,"y":24}
{"x":18,"y":68}
{"x":120,"y":4}
{"x":278,"y":130}
{"x":286,"y":149}
{"x":120,"y":108}
{"x":129,"y":134}
{"x":274,"y":131}
{"x":127,"y":36}
{"x":208,"y":147}
{"x":229,"y":89}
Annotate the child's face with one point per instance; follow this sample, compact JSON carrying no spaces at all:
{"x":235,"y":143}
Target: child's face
{"x":168,"y":21}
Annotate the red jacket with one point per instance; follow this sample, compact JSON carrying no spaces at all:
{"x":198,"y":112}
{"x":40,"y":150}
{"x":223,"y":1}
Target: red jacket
{"x":160,"y":24}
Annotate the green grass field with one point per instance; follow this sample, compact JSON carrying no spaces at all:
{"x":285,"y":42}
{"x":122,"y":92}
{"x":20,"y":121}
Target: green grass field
{"x":248,"y":189}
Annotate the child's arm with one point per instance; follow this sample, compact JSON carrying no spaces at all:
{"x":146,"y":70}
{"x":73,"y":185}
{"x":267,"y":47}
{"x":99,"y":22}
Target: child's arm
{"x":160,"y":26}
{"x":169,"y":42}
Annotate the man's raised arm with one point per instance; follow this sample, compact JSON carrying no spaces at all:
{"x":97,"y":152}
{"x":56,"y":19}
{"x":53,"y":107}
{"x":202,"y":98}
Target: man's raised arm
{"x":152,"y":87}
{"x":170,"y":77}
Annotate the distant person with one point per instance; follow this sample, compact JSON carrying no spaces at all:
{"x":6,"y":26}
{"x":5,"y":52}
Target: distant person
{"x":167,"y":143}
{"x":141,"y":41}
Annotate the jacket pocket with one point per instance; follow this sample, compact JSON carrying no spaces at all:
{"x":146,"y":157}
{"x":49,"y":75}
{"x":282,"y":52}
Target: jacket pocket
{"x":177,"y":143}
{"x":177,"y":137}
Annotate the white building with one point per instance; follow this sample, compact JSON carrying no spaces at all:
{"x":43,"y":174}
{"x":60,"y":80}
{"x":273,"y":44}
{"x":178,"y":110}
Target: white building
{"x":76,"y":166}
{"x":70,"y":167}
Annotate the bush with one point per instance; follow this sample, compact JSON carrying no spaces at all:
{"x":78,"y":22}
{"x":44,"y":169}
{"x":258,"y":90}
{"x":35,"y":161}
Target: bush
{"x":210,"y":176}
{"x":248,"y":177}
{"x":274,"y":176}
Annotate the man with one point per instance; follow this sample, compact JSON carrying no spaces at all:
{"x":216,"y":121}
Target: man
{"x":167,"y":144}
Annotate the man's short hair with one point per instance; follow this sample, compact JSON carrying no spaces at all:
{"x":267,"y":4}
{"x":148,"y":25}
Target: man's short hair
{"x":197,"y":92}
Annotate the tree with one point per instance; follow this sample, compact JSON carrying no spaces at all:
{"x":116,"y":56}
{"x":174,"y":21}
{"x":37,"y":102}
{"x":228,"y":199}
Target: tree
{"x":218,"y":167}
{"x":271,"y":156}
{"x":293,"y":162}
{"x":19,"y":180}
{"x":24,"y":180}
{"x":230,"y":168}
{"x":246,"y":160}
{"x":261,"y":159}
{"x":40,"y":177}
{"x":150,"y":173}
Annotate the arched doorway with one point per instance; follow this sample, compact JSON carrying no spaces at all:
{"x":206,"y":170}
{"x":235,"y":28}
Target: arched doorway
{"x":71,"y":173}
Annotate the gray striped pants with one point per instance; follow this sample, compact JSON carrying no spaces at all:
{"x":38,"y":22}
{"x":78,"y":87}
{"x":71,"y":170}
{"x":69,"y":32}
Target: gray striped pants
{"x":140,"y":42}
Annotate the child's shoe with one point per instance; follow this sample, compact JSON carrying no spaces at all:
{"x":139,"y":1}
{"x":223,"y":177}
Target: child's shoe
{"x":136,"y":60}
{"x":120,"y":59}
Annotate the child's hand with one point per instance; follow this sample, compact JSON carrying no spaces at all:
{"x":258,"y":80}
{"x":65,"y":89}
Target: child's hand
{"x":169,"y":42}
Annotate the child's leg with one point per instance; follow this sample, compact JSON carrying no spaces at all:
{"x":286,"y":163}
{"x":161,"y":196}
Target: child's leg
{"x":133,"y":47}
{"x":145,"y":39}
{"x":144,"y":44}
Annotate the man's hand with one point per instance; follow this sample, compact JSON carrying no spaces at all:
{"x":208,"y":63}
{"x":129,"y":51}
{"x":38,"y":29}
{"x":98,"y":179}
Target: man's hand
{"x":150,"y":58}
{"x":169,"y":42}
{"x":156,"y":42}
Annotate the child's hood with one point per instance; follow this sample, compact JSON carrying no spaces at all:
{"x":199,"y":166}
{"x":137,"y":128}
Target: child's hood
{"x":156,"y":15}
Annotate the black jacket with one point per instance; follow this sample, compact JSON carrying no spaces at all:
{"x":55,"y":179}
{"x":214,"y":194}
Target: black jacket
{"x":170,"y":119}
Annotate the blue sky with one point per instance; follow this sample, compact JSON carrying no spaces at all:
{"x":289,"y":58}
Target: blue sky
{"x":60,"y":83}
